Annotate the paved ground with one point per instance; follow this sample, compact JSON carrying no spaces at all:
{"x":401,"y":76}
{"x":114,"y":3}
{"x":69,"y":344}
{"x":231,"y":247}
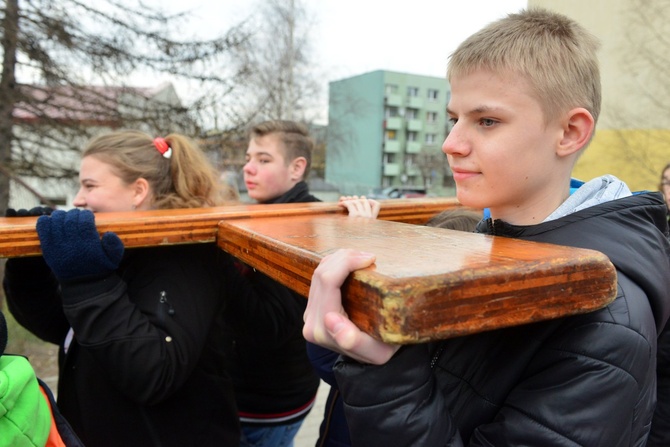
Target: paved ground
{"x":309,"y":432}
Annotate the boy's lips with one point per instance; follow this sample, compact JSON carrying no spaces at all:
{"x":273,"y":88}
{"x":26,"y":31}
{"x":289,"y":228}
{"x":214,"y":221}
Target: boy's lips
{"x":463,"y":174}
{"x":250,"y":185}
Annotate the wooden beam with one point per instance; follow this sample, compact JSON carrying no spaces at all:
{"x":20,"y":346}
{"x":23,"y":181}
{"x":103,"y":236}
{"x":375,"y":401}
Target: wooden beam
{"x":427,"y":283}
{"x":149,"y":228}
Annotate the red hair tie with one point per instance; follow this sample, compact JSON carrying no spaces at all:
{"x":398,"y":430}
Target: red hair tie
{"x":163,"y":147}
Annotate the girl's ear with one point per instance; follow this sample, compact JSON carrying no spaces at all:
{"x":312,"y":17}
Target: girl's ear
{"x":141,"y":196}
{"x":577,"y":130}
{"x":298,"y":168}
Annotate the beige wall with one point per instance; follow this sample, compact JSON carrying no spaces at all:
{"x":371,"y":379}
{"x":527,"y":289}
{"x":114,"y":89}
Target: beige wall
{"x":633,"y":134}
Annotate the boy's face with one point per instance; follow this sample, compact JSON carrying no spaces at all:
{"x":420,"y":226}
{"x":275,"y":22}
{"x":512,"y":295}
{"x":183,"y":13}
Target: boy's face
{"x":501,"y":151}
{"x":267,"y":174}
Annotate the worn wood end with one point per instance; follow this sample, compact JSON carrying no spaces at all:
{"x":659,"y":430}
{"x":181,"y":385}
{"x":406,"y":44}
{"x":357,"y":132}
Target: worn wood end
{"x":427,"y":283}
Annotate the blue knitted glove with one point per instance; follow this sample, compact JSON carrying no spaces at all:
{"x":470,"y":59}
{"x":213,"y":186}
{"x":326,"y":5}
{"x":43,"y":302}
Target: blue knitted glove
{"x":72,"y":247}
{"x":37,"y":211}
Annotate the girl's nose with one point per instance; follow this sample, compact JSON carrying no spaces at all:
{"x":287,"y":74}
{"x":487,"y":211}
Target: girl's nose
{"x":79,"y":199}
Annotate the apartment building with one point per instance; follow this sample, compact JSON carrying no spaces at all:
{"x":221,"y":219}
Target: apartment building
{"x":386,"y":128}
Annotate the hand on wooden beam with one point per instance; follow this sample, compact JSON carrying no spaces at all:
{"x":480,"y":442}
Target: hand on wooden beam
{"x":327,"y":323}
{"x":360,"y":206}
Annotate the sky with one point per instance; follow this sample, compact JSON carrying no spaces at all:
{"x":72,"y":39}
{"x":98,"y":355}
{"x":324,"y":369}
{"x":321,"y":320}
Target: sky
{"x":351,"y":37}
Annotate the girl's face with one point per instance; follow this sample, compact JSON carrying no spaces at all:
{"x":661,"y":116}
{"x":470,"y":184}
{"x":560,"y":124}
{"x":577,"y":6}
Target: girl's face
{"x":101,"y":190}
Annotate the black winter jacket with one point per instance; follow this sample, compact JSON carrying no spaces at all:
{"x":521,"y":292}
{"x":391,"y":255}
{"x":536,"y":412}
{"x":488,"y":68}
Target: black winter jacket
{"x":585,"y":380}
{"x":274,"y":381}
{"x":145,"y":367}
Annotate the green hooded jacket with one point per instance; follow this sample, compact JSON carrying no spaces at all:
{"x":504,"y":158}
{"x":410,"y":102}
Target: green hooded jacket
{"x":25,"y":418}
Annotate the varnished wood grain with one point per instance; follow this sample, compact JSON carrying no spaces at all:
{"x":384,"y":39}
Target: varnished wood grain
{"x":148,"y":228}
{"x":427,"y":283}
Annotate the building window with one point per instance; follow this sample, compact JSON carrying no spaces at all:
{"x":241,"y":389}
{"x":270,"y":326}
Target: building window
{"x":431,"y":117}
{"x":432,"y":94}
{"x":412,"y":135}
{"x":411,"y":114}
{"x":390,"y":135}
{"x":431,"y":138}
{"x":391,"y":112}
{"x":391,"y":89}
{"x":410,"y":160}
{"x":412,"y":91}
{"x":389,"y":158}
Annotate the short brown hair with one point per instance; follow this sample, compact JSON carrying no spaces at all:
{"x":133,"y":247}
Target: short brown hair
{"x":294,"y":137}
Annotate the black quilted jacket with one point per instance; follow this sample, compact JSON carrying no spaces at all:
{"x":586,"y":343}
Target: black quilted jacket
{"x":145,"y":367}
{"x":587,"y":380}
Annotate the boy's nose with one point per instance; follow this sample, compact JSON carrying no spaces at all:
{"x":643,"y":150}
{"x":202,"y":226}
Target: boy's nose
{"x":454,"y":144}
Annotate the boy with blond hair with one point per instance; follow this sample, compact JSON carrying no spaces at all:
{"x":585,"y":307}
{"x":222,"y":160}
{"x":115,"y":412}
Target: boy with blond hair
{"x":525,"y":98}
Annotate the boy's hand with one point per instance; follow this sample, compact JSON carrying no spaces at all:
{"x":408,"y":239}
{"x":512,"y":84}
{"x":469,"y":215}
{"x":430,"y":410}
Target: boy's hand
{"x":360,"y":206}
{"x":326,"y":322}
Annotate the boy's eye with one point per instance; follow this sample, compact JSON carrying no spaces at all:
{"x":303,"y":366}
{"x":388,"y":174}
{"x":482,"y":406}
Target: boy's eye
{"x":453,"y":121}
{"x":487,"y":122}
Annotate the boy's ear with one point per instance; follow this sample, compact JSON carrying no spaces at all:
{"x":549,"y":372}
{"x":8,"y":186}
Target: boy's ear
{"x":578,"y":127}
{"x":298,"y":168}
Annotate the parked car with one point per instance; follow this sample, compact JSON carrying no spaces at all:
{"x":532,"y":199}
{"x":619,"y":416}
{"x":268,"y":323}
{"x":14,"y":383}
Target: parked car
{"x":398,"y":192}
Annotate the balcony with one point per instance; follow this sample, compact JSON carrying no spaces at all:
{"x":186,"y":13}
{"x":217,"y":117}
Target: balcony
{"x":413,"y":147}
{"x":415,"y":125}
{"x":393,"y":100}
{"x":414,"y":102}
{"x":391,"y":169}
{"x":392,"y":146}
{"x":412,"y":170}
{"x":394,"y":123}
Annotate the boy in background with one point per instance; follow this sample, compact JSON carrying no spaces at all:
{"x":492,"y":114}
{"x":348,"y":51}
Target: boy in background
{"x":274,"y":382}
{"x":525,"y":98}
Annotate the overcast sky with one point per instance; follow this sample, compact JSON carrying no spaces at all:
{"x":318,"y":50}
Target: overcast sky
{"x":351,"y":37}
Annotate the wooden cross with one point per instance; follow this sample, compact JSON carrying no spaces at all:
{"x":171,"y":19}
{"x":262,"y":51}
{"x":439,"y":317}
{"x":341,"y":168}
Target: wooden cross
{"x":427,"y":283}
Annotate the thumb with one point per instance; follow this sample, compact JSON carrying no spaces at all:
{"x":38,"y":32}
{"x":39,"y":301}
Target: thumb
{"x":113,"y":247}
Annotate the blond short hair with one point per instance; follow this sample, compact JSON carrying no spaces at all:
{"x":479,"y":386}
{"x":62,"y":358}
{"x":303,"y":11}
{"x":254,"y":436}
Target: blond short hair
{"x":553,"y":52}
